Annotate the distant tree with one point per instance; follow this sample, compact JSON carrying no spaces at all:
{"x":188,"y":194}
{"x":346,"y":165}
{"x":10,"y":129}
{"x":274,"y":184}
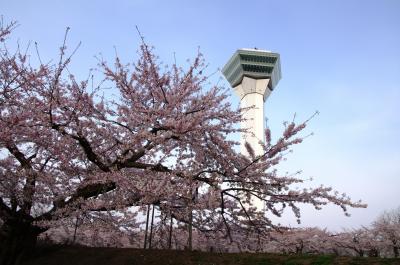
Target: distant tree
{"x":67,"y":150}
{"x":388,"y":227}
{"x":301,"y":240}
{"x":362,"y":242}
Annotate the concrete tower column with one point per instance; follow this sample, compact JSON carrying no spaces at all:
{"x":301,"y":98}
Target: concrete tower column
{"x":253,"y":93}
{"x":253,"y":74}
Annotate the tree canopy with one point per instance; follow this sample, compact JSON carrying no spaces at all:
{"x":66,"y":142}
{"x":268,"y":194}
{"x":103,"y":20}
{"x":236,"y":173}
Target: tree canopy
{"x":66,"y":149}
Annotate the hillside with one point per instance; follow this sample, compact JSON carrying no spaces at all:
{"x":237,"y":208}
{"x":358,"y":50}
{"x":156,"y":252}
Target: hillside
{"x":112,"y":256}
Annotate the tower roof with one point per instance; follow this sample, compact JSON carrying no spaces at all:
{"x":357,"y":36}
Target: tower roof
{"x":254,"y":63}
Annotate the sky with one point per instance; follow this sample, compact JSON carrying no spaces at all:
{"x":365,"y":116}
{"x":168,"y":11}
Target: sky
{"x":341,"y":58}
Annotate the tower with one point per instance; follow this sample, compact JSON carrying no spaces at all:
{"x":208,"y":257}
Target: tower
{"x":253,"y":74}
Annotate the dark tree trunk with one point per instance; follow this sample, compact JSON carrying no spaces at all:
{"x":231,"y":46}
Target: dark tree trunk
{"x":75,"y":230}
{"x":170,"y":233}
{"x":335,"y":252}
{"x":299,"y":248}
{"x":17,"y":240}
{"x":259,"y":248}
{"x":147,"y":226}
{"x":151,"y":227}
{"x":396,"y":251}
{"x":373,"y":253}
{"x":190,"y":228}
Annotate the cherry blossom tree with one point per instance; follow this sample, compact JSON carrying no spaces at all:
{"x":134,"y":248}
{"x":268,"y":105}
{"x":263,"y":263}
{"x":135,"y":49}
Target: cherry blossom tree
{"x":66,"y":150}
{"x":361,"y":242}
{"x":300,"y":240}
{"x":388,"y":227}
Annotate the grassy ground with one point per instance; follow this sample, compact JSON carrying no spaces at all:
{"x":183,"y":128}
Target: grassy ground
{"x":112,"y":256}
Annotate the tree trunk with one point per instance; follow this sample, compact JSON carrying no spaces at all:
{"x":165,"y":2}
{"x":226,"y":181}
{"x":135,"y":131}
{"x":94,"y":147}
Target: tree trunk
{"x":75,"y":230}
{"x":147,"y":226}
{"x":299,"y":248}
{"x":396,"y":251}
{"x":373,"y":253}
{"x":335,"y":251}
{"x":151,"y":227}
{"x":259,"y":247}
{"x":190,"y":227}
{"x":190,"y":239}
{"x":170,"y":233}
{"x":17,"y":240}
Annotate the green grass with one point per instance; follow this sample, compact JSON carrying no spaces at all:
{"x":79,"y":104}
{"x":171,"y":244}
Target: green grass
{"x":323,"y":260}
{"x":66,"y":255}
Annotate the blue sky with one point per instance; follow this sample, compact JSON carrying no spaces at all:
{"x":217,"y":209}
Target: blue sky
{"x":339,"y":57}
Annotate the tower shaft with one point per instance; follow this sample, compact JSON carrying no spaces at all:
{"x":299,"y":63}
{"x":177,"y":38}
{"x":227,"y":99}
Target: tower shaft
{"x":252,"y":94}
{"x":253,"y":74}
